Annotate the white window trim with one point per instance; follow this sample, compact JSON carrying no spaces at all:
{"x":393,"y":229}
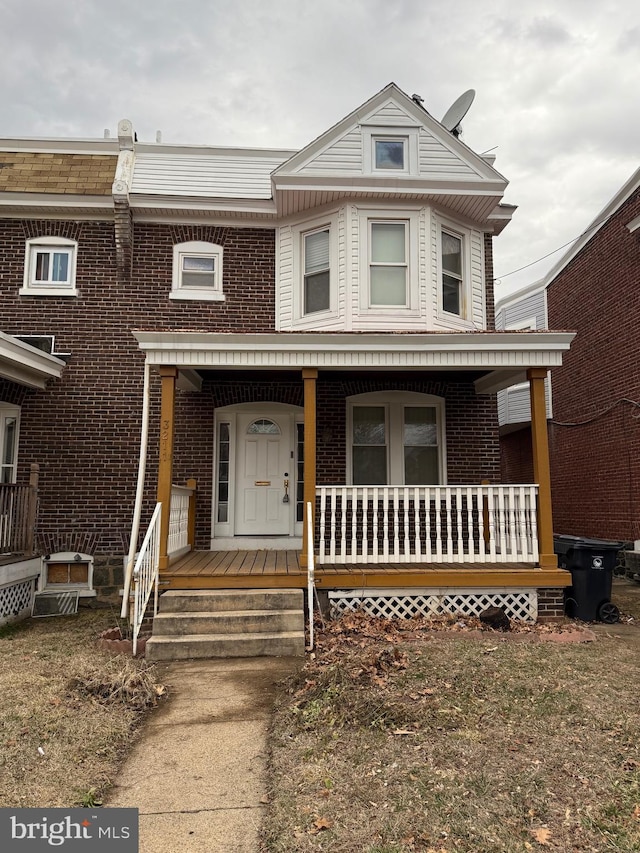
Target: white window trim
{"x":31,"y":287}
{"x":465,"y":318}
{"x":394,"y":403}
{"x":408,"y":135}
{"x":209,"y":250}
{"x":298,"y":234}
{"x":412,"y":260}
{"x":9,"y":411}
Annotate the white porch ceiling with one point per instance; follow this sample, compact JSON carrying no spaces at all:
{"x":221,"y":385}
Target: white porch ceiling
{"x":503,"y":357}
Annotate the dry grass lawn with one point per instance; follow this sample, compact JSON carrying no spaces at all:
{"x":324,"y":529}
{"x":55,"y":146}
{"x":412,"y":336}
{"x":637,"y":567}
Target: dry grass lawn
{"x":67,"y":710}
{"x":395,"y":740}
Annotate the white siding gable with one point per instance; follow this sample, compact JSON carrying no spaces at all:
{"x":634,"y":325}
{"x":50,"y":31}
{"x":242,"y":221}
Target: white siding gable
{"x":346,"y":154}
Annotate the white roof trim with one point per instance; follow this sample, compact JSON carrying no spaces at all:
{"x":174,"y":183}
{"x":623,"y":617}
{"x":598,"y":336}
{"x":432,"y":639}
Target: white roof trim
{"x":527,"y":290}
{"x":26,"y":365}
{"x":173,"y":204}
{"x":634,"y":225}
{"x":595,"y":225}
{"x":396,"y":184}
{"x":509,"y":353}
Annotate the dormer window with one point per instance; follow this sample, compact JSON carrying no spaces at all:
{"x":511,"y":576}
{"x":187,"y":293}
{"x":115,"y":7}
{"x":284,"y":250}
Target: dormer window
{"x":390,"y":150}
{"x":390,"y":153}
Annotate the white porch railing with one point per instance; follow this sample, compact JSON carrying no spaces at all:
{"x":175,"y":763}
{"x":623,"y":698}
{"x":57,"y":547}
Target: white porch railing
{"x":427,"y":524}
{"x":311,"y":581}
{"x":178,"y":543}
{"x":145,"y":575}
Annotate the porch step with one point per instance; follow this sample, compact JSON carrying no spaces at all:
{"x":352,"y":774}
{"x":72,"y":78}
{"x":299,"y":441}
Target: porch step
{"x":282,"y":644}
{"x":227,"y":623}
{"x":216,"y":600}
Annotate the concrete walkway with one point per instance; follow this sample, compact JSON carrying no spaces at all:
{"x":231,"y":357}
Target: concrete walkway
{"x":198,"y":772}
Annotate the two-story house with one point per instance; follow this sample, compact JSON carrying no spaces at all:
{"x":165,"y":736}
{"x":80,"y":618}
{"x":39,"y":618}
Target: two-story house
{"x":309,"y":336}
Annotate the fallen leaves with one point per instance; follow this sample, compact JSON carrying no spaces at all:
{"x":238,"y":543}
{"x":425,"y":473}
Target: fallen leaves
{"x":320,"y":824}
{"x":542,"y":835}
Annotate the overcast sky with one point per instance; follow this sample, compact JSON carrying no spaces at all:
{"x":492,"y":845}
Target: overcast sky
{"x":556,"y":83}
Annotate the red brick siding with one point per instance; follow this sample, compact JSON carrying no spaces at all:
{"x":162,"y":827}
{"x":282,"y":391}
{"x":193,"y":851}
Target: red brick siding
{"x":596,"y":466}
{"x":249,"y":280}
{"x":516,"y":457}
{"x":84,"y":429}
{"x":550,"y":605}
{"x":488,"y":276}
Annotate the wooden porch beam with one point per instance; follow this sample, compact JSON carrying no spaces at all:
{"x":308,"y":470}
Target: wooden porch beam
{"x":168,"y":378}
{"x":541,"y":467}
{"x":309,"y":377}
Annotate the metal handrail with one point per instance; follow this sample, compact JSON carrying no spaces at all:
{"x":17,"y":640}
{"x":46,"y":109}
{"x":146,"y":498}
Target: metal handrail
{"x":311,"y":585}
{"x":145,"y":574}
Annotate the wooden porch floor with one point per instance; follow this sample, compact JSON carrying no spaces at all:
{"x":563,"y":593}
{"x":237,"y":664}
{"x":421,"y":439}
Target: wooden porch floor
{"x":280,"y":569}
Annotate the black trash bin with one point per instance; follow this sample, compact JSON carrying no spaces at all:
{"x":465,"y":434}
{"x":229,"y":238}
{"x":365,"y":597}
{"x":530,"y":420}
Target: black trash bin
{"x":591,"y":563}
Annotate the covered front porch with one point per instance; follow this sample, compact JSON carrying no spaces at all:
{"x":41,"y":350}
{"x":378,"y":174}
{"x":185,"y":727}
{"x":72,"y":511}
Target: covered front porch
{"x":478,"y":534}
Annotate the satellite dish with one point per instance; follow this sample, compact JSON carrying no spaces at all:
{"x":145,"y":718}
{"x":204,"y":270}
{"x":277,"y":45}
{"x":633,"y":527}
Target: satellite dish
{"x":457,"y":111}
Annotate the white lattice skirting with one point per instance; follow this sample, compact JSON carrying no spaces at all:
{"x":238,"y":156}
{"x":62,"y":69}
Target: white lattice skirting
{"x":16,"y":600}
{"x":520,"y":605}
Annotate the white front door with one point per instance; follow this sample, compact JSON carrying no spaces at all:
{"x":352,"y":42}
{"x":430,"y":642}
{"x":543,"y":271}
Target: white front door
{"x":264,"y":464}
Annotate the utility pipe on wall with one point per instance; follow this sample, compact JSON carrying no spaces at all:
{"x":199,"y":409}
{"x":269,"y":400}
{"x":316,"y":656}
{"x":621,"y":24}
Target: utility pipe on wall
{"x":137,"y":511}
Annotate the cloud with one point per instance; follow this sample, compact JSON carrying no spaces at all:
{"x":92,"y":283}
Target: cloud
{"x":556,"y":82}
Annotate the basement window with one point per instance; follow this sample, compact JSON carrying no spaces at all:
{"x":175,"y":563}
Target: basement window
{"x":67,"y":571}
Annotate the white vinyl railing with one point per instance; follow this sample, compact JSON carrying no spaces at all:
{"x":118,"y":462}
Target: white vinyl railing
{"x":179,"y":521}
{"x":145,"y":575}
{"x":427,"y":524}
{"x":311,"y":582}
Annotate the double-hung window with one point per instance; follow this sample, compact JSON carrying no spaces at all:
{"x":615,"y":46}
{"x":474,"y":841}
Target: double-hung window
{"x":396,"y":439}
{"x":50,"y":267}
{"x":317,"y":276}
{"x":197,"y":271}
{"x":388,"y":263}
{"x":452,"y":273}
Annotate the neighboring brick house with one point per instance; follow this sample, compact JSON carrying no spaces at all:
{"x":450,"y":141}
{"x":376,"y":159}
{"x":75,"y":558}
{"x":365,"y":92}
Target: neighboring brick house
{"x":311,"y":327}
{"x":594,"y":428}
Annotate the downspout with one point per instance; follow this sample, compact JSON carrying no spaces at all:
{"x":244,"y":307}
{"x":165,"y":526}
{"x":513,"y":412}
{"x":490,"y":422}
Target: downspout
{"x":137,"y":511}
